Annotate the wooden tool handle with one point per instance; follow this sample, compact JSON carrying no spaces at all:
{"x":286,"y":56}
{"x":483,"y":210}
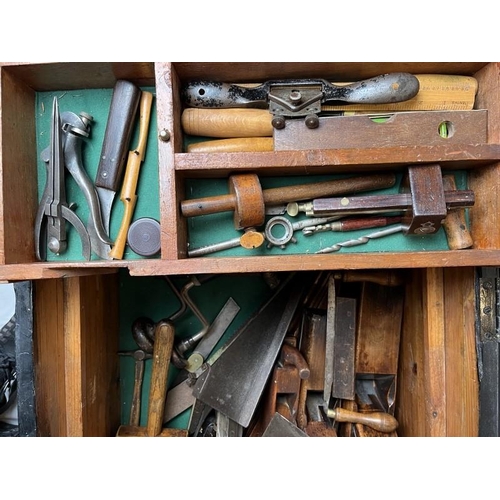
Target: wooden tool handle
{"x":455,"y":225}
{"x":379,"y":420}
{"x":135,"y":158}
{"x":162,"y":352}
{"x":238,"y":145}
{"x":285,"y":194}
{"x":227,"y":122}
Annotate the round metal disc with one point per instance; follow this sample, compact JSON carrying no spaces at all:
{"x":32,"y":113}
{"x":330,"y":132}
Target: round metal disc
{"x":144,"y":237}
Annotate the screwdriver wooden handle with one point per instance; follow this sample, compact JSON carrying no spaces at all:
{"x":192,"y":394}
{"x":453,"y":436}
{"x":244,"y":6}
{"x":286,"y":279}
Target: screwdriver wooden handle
{"x":135,"y":158}
{"x":379,"y":420}
{"x":455,"y":225}
{"x":162,"y":352}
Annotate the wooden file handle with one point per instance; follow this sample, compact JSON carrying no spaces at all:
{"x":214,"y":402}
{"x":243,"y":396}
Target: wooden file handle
{"x":162,"y":352}
{"x":455,"y":225}
{"x":379,"y":420}
{"x":135,"y":158}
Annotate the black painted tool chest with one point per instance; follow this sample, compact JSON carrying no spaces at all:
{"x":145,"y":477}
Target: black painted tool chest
{"x":83,"y":309}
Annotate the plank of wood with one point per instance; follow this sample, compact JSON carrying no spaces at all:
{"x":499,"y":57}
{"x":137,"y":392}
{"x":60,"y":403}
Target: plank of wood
{"x":462,"y":379}
{"x":434,"y":352}
{"x":48,"y":353}
{"x":91,"y":327}
{"x":410,"y":407}
{"x":174,"y":227}
{"x":18,"y":167}
{"x":379,"y":329}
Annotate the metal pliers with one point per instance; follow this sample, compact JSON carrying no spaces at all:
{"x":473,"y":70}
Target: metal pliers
{"x":53,"y":211}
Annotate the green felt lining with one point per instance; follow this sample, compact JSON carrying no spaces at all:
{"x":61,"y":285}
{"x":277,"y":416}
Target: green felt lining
{"x":209,"y":229}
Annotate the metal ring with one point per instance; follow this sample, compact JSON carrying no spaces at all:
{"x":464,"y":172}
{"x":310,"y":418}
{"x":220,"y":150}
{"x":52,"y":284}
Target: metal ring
{"x":285,"y":224}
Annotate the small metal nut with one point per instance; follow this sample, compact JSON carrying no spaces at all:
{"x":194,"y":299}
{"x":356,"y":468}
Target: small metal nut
{"x":164,"y":135}
{"x":278,"y":122}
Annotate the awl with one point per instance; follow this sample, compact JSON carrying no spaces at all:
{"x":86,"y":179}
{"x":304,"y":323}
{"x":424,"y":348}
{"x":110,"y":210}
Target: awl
{"x":115,"y":147}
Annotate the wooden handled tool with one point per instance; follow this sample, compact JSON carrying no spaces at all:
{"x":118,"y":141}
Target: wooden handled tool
{"x":378,"y":420}
{"x":248,"y":199}
{"x":135,"y":158}
{"x":162,"y":352}
{"x":455,"y":225}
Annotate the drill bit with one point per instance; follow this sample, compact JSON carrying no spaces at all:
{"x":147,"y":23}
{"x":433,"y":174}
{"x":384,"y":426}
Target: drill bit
{"x":363,"y":239}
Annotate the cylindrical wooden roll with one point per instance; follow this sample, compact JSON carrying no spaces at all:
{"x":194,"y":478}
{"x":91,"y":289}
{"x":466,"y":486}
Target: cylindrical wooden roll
{"x":237,"y":145}
{"x":225,"y":123}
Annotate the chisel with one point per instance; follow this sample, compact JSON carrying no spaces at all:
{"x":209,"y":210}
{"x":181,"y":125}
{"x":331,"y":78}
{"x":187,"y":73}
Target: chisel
{"x":115,"y":147}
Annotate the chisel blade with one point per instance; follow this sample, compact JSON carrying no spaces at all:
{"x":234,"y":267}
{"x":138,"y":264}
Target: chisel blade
{"x":115,"y":147}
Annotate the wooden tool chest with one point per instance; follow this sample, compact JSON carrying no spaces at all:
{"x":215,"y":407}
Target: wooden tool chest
{"x":77,"y":303}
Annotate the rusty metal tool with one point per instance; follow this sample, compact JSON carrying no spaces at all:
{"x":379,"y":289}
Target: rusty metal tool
{"x":248,"y":200}
{"x":54,"y":210}
{"x":236,"y":382}
{"x":318,"y":424}
{"x":299,"y":97}
{"x":268,"y":235}
{"x":282,"y":393}
{"x":119,"y":127}
{"x":339,"y":346}
{"x":279,"y":426}
{"x":128,"y":194}
{"x":139,"y":357}
{"x":162,"y":352}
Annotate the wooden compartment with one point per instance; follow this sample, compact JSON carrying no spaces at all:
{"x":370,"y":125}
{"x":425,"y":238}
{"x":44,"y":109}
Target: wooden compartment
{"x":76,"y":340}
{"x":20,"y":82}
{"x":78,"y":368}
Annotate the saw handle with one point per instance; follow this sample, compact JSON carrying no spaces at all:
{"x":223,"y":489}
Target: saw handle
{"x":378,"y":420}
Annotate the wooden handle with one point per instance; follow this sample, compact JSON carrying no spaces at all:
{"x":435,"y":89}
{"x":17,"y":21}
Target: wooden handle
{"x":238,"y":145}
{"x":285,"y":194}
{"x":135,"y":158}
{"x":455,"y":225}
{"x":162,"y":352}
{"x":224,"y":123}
{"x":379,"y":420}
